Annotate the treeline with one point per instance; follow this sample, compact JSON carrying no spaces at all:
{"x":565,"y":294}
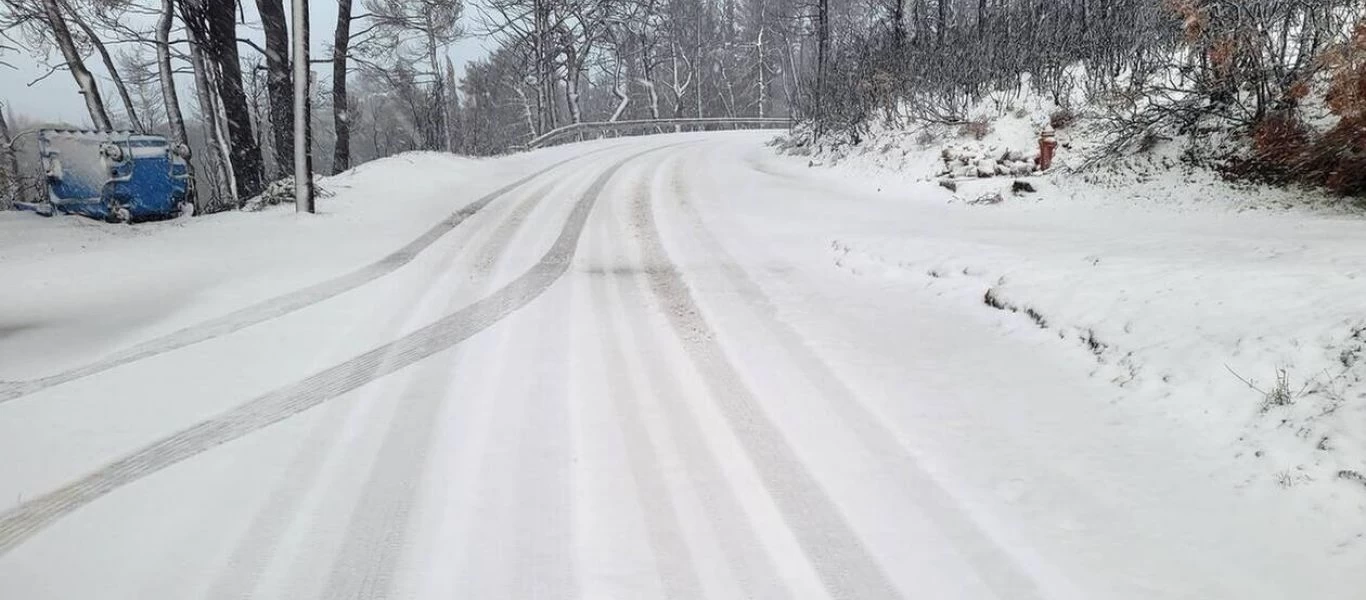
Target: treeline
{"x":564,"y":61}
{"x":1257,"y":69}
{"x":386,"y":84}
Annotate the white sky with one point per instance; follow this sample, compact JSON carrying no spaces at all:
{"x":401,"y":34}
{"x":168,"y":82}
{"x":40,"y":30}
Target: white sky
{"x":55,"y":98}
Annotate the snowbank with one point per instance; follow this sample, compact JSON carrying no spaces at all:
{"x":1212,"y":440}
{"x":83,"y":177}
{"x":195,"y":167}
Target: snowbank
{"x":66,"y":281}
{"x":1233,"y":308}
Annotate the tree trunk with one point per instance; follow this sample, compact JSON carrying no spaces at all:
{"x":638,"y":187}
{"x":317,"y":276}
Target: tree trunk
{"x":441,"y":137}
{"x":221,"y":45}
{"x":278,"y":81}
{"x":303,"y":159}
{"x":647,"y":74}
{"x":169,"y":96}
{"x":697,"y":63}
{"x":571,"y":83}
{"x":84,"y":80}
{"x":454,"y":127}
{"x":942,"y":26}
{"x":898,"y":23}
{"x":526,"y":109}
{"x":763,"y":85}
{"x":542,"y":75}
{"x":220,"y":157}
{"x":341,"y":109}
{"x":113,"y":71}
{"x":981,"y":18}
{"x":619,"y":91}
{"x":9,"y":166}
{"x":823,"y":55}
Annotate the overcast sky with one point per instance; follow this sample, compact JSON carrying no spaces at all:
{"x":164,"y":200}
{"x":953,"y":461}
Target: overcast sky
{"x":55,"y":98}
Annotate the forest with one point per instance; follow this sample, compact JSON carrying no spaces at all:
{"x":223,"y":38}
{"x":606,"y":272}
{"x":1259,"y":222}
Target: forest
{"x":1287,"y":79}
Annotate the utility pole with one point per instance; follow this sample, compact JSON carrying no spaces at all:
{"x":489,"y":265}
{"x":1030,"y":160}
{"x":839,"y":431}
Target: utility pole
{"x":303,"y":167}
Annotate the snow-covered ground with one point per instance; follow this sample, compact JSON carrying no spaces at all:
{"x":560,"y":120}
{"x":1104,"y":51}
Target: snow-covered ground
{"x":682,"y":366}
{"x":1233,"y":306}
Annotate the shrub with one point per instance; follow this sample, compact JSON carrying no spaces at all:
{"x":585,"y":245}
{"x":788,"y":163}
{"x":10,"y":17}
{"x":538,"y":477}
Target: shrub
{"x":1338,"y":159}
{"x":1279,"y":394}
{"x":977,"y":129}
{"x":1062,"y":118}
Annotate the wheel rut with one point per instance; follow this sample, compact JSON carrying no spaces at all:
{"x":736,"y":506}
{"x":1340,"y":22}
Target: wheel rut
{"x":843,"y":563}
{"x":27,"y":519}
{"x":278,"y":306}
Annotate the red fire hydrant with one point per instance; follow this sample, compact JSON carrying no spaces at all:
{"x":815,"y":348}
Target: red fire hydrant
{"x":1048,"y":145}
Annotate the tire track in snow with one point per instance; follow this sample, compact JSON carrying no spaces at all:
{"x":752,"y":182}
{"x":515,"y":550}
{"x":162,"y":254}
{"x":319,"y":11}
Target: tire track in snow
{"x":378,"y":529}
{"x":843,"y":563}
{"x":543,"y":487}
{"x":1000,"y":570}
{"x":274,"y":307}
{"x":399,"y":458}
{"x":749,"y":563}
{"x":27,"y":519}
{"x":673,"y":562}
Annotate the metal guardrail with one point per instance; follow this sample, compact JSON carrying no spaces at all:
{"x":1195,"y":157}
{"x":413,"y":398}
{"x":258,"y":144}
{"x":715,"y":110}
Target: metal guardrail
{"x":691,"y":123}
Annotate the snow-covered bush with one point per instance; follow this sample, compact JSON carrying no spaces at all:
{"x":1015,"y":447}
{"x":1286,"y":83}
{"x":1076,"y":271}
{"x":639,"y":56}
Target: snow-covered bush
{"x":280,"y":191}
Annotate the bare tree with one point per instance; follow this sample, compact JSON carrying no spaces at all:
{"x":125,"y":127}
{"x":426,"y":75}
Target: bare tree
{"x":279,"y":83}
{"x":9,"y":166}
{"x":110,"y":68}
{"x":215,"y":27}
{"x":222,"y":175}
{"x":170,"y":97}
{"x":303,"y":158}
{"x":341,"y":107}
{"x":61,"y":35}
{"x":423,"y":28}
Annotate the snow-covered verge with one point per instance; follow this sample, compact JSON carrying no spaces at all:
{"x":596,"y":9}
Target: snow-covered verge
{"x":1233,"y":307}
{"x":73,"y":290}
{"x":1174,"y":172}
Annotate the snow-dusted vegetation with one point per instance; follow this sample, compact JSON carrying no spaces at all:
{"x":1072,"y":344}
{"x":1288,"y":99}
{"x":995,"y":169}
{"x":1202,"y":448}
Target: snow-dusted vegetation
{"x":1259,"y":89}
{"x":1195,"y":230}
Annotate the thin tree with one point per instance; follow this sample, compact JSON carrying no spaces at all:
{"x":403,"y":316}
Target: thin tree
{"x":303,"y":160}
{"x":9,"y":165}
{"x":218,"y":38}
{"x":169,"y":96}
{"x":110,"y":68}
{"x":278,"y":81}
{"x":61,"y":34}
{"x":341,"y":107}
{"x":210,"y":115}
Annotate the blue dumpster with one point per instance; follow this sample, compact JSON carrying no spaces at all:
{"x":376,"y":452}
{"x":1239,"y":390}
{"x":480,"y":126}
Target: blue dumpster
{"x":116,"y":176}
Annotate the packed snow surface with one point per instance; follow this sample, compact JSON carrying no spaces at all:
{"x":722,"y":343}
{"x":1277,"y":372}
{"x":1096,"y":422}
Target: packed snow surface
{"x":684,"y":366}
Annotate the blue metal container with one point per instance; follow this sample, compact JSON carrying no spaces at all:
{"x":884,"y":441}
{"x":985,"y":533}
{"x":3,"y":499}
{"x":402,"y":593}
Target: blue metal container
{"x":116,"y":176}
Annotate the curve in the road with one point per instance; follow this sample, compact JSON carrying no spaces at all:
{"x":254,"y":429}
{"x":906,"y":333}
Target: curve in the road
{"x":278,"y":306}
{"x":27,"y":519}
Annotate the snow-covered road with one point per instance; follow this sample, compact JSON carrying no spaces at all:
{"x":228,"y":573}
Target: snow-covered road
{"x":626,"y":369}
